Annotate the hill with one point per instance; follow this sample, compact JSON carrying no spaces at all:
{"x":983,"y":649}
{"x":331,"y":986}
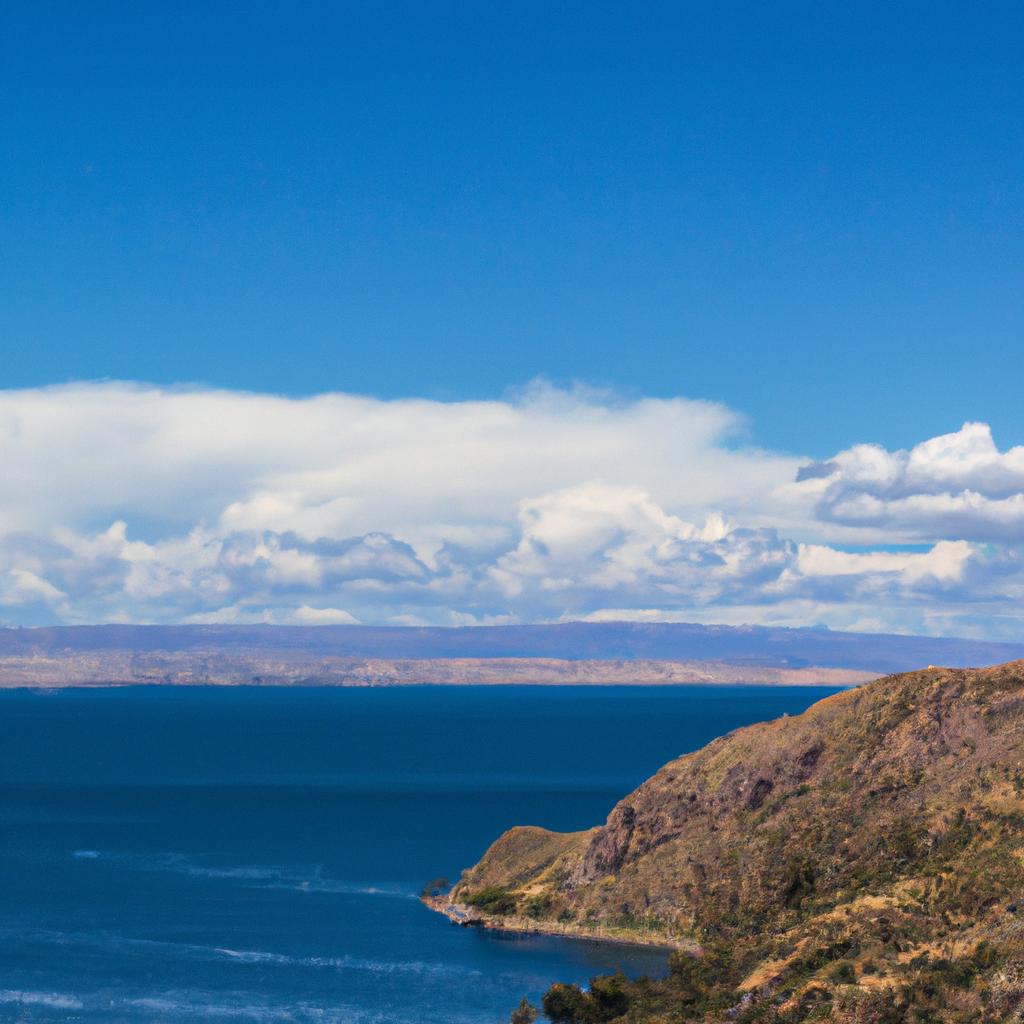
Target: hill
{"x":861,"y":862}
{"x":557,"y":653}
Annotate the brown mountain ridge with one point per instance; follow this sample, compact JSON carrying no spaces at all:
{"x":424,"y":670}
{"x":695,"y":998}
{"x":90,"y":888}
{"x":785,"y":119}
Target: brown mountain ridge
{"x":861,"y":862}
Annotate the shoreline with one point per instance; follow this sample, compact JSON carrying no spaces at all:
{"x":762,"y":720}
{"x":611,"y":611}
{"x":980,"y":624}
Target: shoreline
{"x":130,"y":684}
{"x":466,"y":917}
{"x":169,"y":668}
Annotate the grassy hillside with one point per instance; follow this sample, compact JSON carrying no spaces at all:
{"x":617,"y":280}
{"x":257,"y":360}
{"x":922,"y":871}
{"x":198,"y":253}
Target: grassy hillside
{"x":861,"y":862}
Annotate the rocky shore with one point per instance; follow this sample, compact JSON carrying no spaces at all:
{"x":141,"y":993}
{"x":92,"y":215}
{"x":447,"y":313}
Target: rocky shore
{"x":469,"y":917}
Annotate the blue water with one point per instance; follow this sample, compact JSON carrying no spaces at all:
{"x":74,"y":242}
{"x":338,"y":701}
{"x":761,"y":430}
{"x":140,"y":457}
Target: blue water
{"x":254,"y":854}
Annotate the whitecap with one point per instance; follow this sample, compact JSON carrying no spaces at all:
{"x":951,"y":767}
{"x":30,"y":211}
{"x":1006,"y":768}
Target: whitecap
{"x":295,"y":877}
{"x":55,"y":1000}
{"x":194,"y":951}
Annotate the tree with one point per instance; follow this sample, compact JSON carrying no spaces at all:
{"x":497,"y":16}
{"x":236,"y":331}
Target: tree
{"x":524,"y":1013}
{"x":609,"y":996}
{"x":692,"y":976}
{"x":434,"y":887}
{"x":607,"y":1000}
{"x":566,"y":1004}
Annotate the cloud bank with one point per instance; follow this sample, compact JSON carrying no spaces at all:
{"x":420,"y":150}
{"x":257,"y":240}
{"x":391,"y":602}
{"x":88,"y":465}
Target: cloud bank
{"x":120,"y":502}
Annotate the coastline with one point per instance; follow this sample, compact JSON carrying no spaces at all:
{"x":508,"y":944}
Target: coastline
{"x":211,"y":668}
{"x":467,"y":917}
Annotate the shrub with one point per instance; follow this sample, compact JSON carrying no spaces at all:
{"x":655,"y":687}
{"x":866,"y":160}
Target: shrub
{"x":798,"y":883}
{"x":493,"y":900}
{"x":524,"y":1013}
{"x":610,"y":996}
{"x":607,"y":1000}
{"x":537,"y":906}
{"x":565,"y":1004}
{"x":693,"y":977}
{"x":842,"y":973}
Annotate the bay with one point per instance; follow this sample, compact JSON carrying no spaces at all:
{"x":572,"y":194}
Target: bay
{"x":255,"y":854}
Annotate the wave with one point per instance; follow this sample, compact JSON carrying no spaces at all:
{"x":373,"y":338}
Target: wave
{"x":176,"y":1005}
{"x":53,"y":1000}
{"x":109,"y":942}
{"x":346,"y":963}
{"x":187,"y":1007}
{"x":328,"y":885}
{"x":299,"y":878}
{"x":191,"y":1006}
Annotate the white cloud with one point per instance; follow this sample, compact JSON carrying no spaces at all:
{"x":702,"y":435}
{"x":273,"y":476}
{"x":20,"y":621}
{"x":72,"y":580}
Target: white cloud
{"x":598,"y":543}
{"x":945,"y":561}
{"x":957,"y":485}
{"x":24,"y":587}
{"x":338,"y":465}
{"x":121,"y":502}
{"x":306,"y":616}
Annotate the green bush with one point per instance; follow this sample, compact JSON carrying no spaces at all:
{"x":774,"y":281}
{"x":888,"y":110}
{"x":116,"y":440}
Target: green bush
{"x":607,"y":1000}
{"x":493,"y":900}
{"x":843,"y":973}
{"x":609,"y":996}
{"x":537,"y":906}
{"x":524,"y":1013}
{"x":565,"y":1004}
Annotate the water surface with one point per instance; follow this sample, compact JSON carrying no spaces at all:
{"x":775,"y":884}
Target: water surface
{"x":241,"y":854}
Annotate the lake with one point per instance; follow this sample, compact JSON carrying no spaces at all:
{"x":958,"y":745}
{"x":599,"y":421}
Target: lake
{"x":248,"y":854}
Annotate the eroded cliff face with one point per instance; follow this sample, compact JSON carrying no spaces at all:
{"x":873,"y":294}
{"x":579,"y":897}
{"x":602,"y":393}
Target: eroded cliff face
{"x":682,"y":799}
{"x":902,"y":800}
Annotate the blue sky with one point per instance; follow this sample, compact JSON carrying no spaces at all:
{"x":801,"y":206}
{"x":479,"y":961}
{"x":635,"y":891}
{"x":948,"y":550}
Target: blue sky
{"x":809,"y":212}
{"x":468,"y":313}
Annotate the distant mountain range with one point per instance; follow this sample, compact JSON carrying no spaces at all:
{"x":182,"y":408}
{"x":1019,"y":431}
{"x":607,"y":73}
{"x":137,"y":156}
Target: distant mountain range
{"x":572,"y":652}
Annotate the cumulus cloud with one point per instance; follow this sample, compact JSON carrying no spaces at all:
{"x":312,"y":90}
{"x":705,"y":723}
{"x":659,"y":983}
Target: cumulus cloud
{"x":24,"y":587}
{"x":120,"y":502}
{"x":956,"y":485}
{"x":597,"y":543}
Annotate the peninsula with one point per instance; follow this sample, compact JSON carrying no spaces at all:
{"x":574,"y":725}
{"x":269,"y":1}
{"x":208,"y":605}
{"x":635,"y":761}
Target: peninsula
{"x":861,"y":862}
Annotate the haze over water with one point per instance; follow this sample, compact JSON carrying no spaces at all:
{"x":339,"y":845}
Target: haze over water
{"x":248,"y":854}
